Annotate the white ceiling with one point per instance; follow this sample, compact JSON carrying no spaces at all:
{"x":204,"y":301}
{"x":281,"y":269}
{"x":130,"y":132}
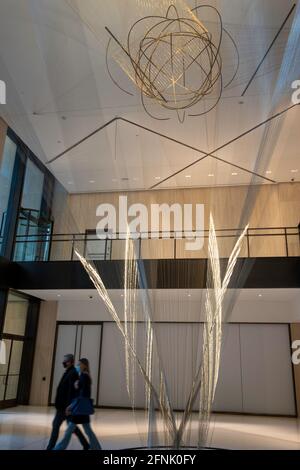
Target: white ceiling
{"x":252,"y":305}
{"x":194,"y":295}
{"x":163,"y":294}
{"x":59,"y":91}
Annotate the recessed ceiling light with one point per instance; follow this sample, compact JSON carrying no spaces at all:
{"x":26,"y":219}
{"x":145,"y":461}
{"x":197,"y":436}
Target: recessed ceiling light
{"x":92,"y":181}
{"x":268,"y":172}
{"x":295,"y":171}
{"x":211,"y":174}
{"x":122,"y":295}
{"x":188,"y":176}
{"x":234,"y":174}
{"x":70,"y":182}
{"x":157,"y":177}
{"x":58,"y":295}
{"x":259,"y":295}
{"x":189,"y":295}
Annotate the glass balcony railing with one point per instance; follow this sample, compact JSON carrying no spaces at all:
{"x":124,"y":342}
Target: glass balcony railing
{"x":258,"y":242}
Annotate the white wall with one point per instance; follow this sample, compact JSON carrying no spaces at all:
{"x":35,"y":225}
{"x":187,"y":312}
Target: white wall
{"x":255,"y":373}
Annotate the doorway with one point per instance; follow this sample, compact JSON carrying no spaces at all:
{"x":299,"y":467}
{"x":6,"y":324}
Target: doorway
{"x":81,"y":339}
{"x":13,"y":339}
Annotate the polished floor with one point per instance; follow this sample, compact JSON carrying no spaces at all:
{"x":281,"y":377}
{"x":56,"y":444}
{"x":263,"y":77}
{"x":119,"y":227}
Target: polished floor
{"x":29,"y":428}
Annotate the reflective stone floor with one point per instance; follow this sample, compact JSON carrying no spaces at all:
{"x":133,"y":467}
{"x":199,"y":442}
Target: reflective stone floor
{"x":29,"y":428}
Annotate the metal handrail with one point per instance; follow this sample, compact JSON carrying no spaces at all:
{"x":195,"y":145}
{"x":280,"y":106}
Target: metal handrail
{"x":149,"y":234}
{"x":90,"y":236}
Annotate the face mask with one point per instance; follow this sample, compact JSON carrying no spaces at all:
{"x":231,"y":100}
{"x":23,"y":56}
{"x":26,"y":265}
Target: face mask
{"x":78,"y":369}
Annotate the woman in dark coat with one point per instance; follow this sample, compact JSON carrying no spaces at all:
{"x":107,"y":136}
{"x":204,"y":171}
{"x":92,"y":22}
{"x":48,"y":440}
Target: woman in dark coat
{"x":84,"y":388}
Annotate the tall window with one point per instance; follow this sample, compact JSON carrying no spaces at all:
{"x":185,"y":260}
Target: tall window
{"x":26,"y":191}
{"x":32,"y":188}
{"x":28,"y":231}
{"x":7,"y":163}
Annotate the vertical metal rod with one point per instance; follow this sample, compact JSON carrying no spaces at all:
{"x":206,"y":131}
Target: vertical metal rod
{"x":73,"y":242}
{"x":105,"y":248}
{"x":286,"y":242}
{"x":140,"y":247}
{"x":248,"y":243}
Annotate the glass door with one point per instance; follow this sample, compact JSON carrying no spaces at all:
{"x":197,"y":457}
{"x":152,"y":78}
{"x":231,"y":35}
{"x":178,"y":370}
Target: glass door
{"x":82,"y":340}
{"x":6,"y":344}
{"x":10,"y":371}
{"x":13,"y":338}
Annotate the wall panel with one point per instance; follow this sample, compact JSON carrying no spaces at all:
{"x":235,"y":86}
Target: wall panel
{"x":276,"y":205}
{"x":229,"y":393}
{"x":41,"y":375}
{"x":266,"y":369}
{"x":255,"y":374}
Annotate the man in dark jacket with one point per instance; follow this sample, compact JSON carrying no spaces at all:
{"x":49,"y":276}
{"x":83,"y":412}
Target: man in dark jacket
{"x":65,"y":393}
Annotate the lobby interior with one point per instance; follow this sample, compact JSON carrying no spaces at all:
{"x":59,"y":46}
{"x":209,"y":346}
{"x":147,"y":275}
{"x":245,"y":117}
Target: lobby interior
{"x":86,"y":122}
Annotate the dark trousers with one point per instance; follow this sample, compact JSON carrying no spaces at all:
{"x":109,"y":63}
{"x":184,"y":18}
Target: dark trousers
{"x":59,"y":418}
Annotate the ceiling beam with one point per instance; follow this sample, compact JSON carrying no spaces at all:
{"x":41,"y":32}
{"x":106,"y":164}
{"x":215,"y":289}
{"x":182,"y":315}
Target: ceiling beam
{"x":269,"y":48}
{"x":82,"y":140}
{"x":211,"y":154}
{"x":183,"y":144}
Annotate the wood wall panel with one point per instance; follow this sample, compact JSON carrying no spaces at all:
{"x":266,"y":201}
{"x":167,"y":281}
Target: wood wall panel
{"x":118,"y":249}
{"x":41,"y":375}
{"x":275,"y":205}
{"x":157,"y":249}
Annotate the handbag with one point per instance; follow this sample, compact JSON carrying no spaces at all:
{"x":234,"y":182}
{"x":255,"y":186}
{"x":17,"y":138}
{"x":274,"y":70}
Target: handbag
{"x":82,"y":406}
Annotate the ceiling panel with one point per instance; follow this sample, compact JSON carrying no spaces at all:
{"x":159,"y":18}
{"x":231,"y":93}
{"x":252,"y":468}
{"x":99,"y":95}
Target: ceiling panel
{"x":59,"y":91}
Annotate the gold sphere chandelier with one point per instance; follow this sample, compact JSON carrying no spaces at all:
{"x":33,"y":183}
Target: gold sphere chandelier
{"x":175,"y":61}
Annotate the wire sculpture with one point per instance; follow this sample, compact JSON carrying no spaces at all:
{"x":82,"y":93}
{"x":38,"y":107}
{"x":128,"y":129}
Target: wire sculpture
{"x":175,"y":61}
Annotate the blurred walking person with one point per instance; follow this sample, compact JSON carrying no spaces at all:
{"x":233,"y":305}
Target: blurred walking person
{"x":80,"y":409}
{"x":65,"y":393}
